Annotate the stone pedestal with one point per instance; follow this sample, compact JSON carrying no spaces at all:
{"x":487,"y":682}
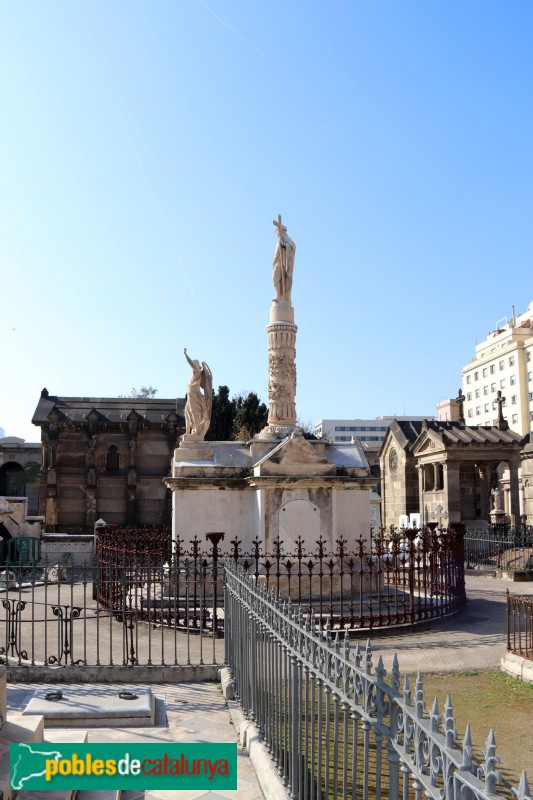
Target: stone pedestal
{"x":192,"y":453}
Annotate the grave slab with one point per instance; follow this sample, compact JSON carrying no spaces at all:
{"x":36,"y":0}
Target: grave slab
{"x":86,"y":707}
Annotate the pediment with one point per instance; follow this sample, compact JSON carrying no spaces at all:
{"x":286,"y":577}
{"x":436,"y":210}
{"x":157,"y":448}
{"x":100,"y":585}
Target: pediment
{"x":295,"y":455}
{"x":427,"y":443}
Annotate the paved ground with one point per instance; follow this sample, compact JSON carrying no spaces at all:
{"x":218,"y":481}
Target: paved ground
{"x":473,"y":639}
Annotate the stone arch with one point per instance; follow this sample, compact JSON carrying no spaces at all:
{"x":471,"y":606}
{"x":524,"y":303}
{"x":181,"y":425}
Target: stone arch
{"x":8,"y":486}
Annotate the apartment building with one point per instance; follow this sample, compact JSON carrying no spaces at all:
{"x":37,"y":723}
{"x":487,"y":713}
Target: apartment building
{"x":503,"y":362}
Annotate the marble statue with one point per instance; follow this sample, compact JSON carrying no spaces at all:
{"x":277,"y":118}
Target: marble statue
{"x":283,"y":264}
{"x":198,"y":406}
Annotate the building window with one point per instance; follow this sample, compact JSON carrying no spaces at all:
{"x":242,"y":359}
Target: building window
{"x":513,"y":399}
{"x":511,"y":361}
{"x":492,"y":369}
{"x":478,"y":411}
{"x":529,"y":376}
{"x":531,"y":395}
{"x":112,"y":462}
{"x":343,"y":438}
{"x":514,"y":419}
{"x":502,"y":364}
{"x":486,"y":408}
{"x":512,"y":380}
{"x":477,"y":393}
{"x":484,"y":373}
{"x":502,"y":383}
{"x":469,"y":395}
{"x":485,"y":390}
{"x":531,"y":415}
{"x":468,"y":378}
{"x":493,"y":387}
{"x":470,"y":412}
{"x":476,"y":376}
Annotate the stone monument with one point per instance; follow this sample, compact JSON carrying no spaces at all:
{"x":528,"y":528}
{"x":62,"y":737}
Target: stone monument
{"x":198,"y":407}
{"x":279,"y":483}
{"x":281,"y":341}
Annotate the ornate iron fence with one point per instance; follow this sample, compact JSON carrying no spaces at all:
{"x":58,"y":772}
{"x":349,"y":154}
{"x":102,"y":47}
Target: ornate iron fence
{"x":148,"y":601}
{"x":394,"y":578}
{"x":500,"y":548}
{"x":520,"y":625}
{"x":139,"y":615}
{"x":334,"y":727}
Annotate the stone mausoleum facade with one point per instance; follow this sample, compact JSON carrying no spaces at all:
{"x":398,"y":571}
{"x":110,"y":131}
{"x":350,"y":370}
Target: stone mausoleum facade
{"x":106,"y":458}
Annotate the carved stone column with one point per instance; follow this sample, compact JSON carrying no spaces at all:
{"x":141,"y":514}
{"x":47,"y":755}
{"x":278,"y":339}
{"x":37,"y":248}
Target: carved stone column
{"x":281,"y":365}
{"x":281,"y":343}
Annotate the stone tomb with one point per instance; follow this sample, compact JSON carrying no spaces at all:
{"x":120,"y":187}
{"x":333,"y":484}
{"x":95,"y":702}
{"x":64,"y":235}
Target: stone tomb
{"x":268,"y":488}
{"x":83,"y":707}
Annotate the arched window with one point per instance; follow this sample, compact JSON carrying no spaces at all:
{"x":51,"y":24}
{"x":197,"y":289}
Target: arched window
{"x":9,"y":485}
{"x":113,"y":460}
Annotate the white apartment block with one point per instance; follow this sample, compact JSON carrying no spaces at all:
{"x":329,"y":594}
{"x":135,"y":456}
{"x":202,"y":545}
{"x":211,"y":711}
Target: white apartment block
{"x":503,"y":362}
{"x":369,"y":431}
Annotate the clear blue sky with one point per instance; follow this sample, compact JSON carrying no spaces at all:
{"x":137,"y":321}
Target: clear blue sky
{"x":146,"y":147}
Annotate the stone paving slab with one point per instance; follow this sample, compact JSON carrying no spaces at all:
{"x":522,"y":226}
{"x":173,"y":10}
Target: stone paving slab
{"x":195,"y":712}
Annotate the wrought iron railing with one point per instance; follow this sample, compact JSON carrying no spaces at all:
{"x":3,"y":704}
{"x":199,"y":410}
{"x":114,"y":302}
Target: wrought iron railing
{"x":520,"y":625}
{"x":155,"y":616}
{"x":334,"y":727}
{"x":393,"y":578}
{"x":500,"y":548}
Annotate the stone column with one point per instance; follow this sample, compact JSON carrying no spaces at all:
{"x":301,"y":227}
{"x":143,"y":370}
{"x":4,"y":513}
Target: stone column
{"x":282,"y":365}
{"x":484,"y":504}
{"x":514,"y":463}
{"x":281,"y":342}
{"x":90,"y":498}
{"x":453,"y":491}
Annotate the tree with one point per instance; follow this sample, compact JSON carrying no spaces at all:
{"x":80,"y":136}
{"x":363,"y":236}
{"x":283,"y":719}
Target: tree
{"x":28,"y":474}
{"x":145,"y":393}
{"x":251,"y":416}
{"x":307,"y":428}
{"x":238,"y":419}
{"x":221,"y":427}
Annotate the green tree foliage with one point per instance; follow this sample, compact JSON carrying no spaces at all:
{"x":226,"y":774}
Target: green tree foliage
{"x":239,"y":418}
{"x":221,"y":428}
{"x":145,"y":392}
{"x":28,"y":474}
{"x":250,"y":416}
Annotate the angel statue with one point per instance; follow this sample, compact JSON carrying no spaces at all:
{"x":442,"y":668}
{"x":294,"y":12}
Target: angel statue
{"x":198,"y":406}
{"x":283,"y":264}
